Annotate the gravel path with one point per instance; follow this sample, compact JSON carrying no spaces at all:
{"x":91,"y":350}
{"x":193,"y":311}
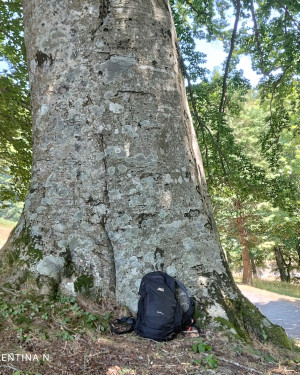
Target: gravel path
{"x":281,"y":310}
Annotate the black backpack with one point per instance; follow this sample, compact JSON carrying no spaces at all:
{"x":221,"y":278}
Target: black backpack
{"x":160,"y":315}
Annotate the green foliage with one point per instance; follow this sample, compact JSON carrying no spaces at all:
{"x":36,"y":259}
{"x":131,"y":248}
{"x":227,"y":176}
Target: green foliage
{"x":279,"y":287}
{"x":11,"y":213}
{"x":15,"y":118}
{"x":272,"y":18}
{"x":210,"y":361}
{"x":12,"y":46}
{"x":187,"y":33}
{"x":276,"y":214}
{"x":7,"y":223}
{"x":249,"y":139}
{"x":30,"y":315}
{"x":201,"y":347}
{"x":207,"y":360}
{"x":83,"y":283}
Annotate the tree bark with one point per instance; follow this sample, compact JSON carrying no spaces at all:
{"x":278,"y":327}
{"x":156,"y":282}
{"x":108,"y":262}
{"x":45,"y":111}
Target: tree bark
{"x":247,"y":266}
{"x":254,"y":269}
{"x":281,"y":265}
{"x":118,"y":187}
{"x":298,"y":247}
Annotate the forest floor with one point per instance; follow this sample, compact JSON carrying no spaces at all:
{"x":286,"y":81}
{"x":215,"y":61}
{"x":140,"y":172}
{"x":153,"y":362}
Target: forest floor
{"x":129,"y":354}
{"x":71,"y":336}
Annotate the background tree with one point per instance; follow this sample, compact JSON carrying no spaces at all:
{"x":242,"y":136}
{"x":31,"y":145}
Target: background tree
{"x":15,"y":118}
{"x":216,"y":119}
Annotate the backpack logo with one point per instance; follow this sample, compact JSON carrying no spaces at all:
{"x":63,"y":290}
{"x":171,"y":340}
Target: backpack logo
{"x":161,"y":289}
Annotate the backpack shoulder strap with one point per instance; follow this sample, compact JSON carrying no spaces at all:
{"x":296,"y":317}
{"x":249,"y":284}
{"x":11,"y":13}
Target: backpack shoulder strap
{"x":129,"y":322}
{"x":191,"y":309}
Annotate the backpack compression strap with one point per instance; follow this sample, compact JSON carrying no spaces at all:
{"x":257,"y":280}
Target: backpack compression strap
{"x":129,"y":321}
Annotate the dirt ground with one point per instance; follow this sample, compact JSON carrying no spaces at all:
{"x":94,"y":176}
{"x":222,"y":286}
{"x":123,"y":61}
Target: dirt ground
{"x":129,"y":354}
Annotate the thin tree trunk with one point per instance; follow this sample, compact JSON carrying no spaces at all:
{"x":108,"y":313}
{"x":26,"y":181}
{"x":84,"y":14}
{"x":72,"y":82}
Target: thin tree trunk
{"x":254,"y":269}
{"x":247,"y":266}
{"x":281,"y":265}
{"x":298,"y":248}
{"x":228,"y":257}
{"x":232,"y":42}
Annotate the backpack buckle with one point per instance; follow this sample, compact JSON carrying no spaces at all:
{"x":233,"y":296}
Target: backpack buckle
{"x":190,"y":327}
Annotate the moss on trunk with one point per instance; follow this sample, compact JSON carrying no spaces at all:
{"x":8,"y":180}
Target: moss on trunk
{"x":249,"y":323}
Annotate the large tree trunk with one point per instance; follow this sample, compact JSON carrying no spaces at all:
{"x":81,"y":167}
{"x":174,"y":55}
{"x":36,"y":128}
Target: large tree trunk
{"x":117,"y":186}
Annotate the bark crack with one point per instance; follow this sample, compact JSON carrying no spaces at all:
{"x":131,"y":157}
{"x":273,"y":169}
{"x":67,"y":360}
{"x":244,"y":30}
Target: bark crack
{"x":104,"y":9}
{"x":135,"y":92}
{"x":112,"y":284}
{"x":41,"y":58}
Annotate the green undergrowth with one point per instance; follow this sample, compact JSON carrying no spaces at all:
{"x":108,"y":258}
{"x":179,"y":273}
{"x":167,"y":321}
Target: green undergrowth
{"x":209,"y":360}
{"x":280,"y":287}
{"x":7,"y":223}
{"x":64,"y":317}
{"x":41,"y":324}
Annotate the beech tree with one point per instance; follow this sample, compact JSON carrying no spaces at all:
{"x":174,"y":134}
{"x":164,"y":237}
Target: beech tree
{"x":117,"y":187}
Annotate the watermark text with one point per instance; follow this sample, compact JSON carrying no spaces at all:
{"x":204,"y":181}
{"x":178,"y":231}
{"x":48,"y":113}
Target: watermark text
{"x":24,"y":357}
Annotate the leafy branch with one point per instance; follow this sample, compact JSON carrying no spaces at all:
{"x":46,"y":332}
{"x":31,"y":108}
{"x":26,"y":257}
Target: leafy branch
{"x":232,"y":43}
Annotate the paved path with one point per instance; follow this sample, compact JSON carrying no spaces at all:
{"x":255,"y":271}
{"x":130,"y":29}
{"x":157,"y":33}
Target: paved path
{"x":4,"y":233}
{"x":281,"y":310}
